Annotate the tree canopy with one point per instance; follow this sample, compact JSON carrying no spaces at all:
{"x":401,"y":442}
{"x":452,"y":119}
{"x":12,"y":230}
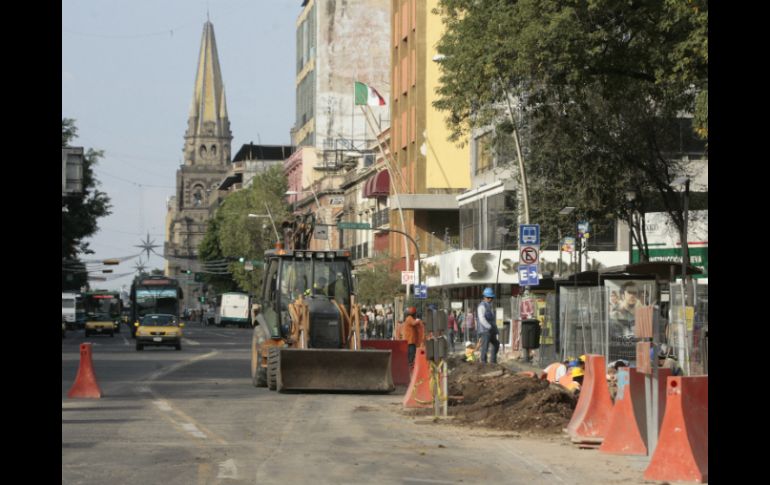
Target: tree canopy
{"x":232,"y":235}
{"x":80,"y":213}
{"x":598,"y":89}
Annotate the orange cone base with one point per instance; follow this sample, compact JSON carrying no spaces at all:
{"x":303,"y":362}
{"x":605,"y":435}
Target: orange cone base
{"x":591,"y":418}
{"x":418,"y":394}
{"x":682,"y":450}
{"x":85,"y":385}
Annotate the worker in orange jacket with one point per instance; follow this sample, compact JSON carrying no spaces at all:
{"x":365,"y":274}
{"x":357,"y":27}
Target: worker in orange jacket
{"x":414,"y":334}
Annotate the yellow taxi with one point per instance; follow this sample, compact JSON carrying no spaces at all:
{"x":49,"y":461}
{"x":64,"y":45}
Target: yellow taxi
{"x":159,"y":329}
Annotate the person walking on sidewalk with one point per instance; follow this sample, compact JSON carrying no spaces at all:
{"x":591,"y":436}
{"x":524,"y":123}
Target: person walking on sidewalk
{"x":487,"y":327}
{"x":451,"y":330}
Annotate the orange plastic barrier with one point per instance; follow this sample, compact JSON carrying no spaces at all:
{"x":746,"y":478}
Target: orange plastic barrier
{"x":627,"y":434}
{"x":418,"y":394}
{"x":85,"y":382}
{"x":399,"y":359}
{"x":683,"y":445}
{"x":591,"y":418}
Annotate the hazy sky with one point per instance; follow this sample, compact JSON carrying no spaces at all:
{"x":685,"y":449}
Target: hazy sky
{"x":128,"y":71}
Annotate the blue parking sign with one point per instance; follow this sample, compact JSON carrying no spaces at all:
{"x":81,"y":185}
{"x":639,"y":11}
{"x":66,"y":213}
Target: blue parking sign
{"x":529,"y":234}
{"x":528,"y":275}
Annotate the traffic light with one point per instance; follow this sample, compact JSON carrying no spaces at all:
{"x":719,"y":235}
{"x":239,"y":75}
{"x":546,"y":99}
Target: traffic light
{"x":241,"y":259}
{"x":187,"y":271}
{"x":202,"y":299}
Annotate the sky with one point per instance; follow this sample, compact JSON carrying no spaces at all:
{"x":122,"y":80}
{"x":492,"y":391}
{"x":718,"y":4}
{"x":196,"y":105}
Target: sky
{"x":128,"y":73}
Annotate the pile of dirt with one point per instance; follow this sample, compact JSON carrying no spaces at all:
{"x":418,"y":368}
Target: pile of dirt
{"x":493,"y":396}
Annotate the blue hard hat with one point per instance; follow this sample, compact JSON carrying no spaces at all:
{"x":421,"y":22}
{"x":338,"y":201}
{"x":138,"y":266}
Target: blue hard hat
{"x":488,"y":293}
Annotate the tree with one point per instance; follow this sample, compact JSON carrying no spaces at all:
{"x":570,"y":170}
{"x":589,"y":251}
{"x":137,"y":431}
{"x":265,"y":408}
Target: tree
{"x":378,"y":283}
{"x":597,"y":86}
{"x":80,"y":213}
{"x":232,"y":235}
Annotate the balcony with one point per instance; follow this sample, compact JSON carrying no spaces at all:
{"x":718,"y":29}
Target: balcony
{"x":381,"y":218}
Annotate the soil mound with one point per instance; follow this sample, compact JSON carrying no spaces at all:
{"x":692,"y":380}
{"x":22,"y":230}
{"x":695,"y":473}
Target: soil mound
{"x":493,"y":396}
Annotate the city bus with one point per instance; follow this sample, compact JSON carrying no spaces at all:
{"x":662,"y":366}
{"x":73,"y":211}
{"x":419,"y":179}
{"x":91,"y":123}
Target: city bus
{"x":154,"y":294}
{"x":102,"y":310}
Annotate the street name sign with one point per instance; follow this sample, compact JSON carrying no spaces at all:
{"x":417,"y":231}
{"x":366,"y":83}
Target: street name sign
{"x":353,"y":225}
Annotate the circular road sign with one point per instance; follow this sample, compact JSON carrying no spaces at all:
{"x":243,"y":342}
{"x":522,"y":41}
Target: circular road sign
{"x":528,"y":255}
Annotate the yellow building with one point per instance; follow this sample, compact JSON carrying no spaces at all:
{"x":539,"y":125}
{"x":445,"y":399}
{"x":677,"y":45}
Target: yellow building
{"x":429,"y":170}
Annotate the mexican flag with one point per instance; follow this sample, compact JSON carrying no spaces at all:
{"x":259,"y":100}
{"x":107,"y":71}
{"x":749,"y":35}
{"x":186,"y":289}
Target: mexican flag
{"x":367,"y":95}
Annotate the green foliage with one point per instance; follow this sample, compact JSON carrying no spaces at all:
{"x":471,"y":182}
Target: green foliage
{"x":80,"y":212}
{"x":599,"y":86}
{"x":231,"y":234}
{"x":378,"y":283}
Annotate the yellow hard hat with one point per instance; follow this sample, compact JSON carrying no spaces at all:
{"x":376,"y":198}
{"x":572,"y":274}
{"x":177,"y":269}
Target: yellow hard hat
{"x":577,"y":372}
{"x":582,"y":358}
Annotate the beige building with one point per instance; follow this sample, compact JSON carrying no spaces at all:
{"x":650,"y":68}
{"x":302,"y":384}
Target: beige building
{"x":206,"y":159}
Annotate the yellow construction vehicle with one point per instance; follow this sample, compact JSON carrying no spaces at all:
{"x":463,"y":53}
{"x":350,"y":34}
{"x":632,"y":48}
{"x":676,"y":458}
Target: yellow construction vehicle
{"x":306,"y":333}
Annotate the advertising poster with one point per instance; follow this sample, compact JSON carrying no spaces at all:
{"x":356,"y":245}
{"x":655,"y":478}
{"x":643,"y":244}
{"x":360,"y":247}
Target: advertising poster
{"x":624,"y":297}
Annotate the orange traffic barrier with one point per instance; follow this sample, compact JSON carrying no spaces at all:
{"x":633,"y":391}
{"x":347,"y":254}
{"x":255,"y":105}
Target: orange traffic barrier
{"x":418,"y":394}
{"x":591,"y":418}
{"x":627,"y":434}
{"x":399,"y":359}
{"x":85,"y":382}
{"x":683,"y":445}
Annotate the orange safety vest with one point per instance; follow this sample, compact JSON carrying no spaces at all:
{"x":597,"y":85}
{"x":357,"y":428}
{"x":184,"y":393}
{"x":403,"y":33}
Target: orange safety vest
{"x":413,"y":331}
{"x":551,"y":371}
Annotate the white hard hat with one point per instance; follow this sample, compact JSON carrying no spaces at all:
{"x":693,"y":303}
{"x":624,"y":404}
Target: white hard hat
{"x":468,"y":344}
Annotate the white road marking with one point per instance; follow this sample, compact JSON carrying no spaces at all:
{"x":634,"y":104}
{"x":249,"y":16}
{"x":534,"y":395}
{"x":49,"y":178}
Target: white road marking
{"x":162,"y":405}
{"x":187,"y":341}
{"x":125,"y":341}
{"x":227,"y":469}
{"x":193,"y":430}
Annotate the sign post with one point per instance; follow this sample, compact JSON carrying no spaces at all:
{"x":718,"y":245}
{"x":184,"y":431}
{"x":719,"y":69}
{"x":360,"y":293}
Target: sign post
{"x":529,"y":254}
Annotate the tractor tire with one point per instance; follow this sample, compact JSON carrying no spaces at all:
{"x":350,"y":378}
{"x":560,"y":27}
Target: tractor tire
{"x":273,"y":358}
{"x":258,"y":373}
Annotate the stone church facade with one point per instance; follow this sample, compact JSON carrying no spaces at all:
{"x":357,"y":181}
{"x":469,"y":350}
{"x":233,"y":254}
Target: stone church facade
{"x":206,"y":159}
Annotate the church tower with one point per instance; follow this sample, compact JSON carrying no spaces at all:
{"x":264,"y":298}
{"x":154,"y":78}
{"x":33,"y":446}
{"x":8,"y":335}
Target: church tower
{"x":206,"y":158}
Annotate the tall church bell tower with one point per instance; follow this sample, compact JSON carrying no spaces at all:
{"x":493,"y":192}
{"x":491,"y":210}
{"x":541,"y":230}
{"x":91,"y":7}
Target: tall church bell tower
{"x":206,"y":157}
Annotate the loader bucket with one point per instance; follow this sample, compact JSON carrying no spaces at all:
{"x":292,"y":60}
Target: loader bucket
{"x":334,"y":370}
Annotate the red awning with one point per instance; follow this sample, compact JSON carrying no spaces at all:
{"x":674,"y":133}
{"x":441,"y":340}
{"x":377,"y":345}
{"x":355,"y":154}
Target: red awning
{"x":378,"y":185}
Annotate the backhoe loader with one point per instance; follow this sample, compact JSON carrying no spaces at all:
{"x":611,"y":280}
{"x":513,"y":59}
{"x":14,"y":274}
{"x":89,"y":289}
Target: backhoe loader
{"x":306,"y":333}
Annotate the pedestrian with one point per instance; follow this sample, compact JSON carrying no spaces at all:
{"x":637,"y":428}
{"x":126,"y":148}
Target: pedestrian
{"x":389,"y":323}
{"x":487,"y":327}
{"x":413,"y":333}
{"x":451,"y":329}
{"x":371,"y":322}
{"x":379,"y":320}
{"x":365,"y":326}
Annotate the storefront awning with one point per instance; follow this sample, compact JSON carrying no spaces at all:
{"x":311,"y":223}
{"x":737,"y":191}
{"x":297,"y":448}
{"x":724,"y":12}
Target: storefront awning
{"x":378,"y":185}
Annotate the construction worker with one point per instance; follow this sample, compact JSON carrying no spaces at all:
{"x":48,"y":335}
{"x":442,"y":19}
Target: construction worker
{"x":469,"y":350}
{"x":555,"y":371}
{"x":577,"y":380}
{"x":412,"y":333}
{"x":487,"y":326}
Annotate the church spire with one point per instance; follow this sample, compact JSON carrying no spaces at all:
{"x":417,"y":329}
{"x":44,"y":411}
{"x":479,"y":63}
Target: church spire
{"x":208,"y":110}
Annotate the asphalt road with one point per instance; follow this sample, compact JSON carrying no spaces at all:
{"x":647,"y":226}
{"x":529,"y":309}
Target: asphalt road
{"x":192,"y":417}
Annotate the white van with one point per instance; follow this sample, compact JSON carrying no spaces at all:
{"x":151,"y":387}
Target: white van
{"x":68,"y":304}
{"x":234,"y":310}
